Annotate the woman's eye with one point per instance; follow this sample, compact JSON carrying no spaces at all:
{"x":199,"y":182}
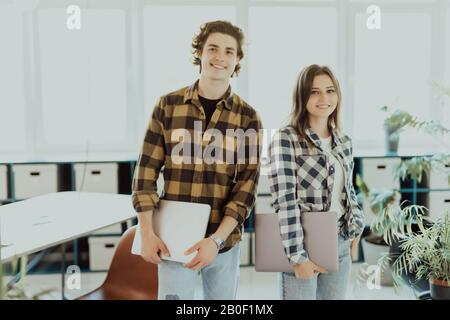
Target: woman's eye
{"x":315,"y":92}
{"x":331,"y":91}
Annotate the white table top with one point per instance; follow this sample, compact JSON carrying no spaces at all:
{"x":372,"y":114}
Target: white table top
{"x":45,"y":221}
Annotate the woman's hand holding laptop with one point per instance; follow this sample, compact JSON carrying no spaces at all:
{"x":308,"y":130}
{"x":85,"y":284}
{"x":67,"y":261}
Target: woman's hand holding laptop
{"x":307,"y":269}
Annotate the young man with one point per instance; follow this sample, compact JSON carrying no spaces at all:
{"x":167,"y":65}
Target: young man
{"x":227,"y":186}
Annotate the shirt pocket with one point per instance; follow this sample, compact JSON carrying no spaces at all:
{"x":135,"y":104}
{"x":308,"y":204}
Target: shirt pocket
{"x":312,"y":176}
{"x":312,"y":172}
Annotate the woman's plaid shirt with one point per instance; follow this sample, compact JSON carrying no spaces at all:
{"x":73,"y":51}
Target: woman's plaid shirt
{"x":301,"y":177}
{"x":228,"y":187}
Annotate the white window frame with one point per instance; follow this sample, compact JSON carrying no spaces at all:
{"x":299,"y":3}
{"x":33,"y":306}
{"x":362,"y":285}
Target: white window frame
{"x":436,"y":51}
{"x":44,"y":147}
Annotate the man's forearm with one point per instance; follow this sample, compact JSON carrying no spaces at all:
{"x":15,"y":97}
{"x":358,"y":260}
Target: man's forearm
{"x":145,"y":221}
{"x":225,"y":228}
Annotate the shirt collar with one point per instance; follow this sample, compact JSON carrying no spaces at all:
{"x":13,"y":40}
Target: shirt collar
{"x":191,"y":96}
{"x":314,"y":137}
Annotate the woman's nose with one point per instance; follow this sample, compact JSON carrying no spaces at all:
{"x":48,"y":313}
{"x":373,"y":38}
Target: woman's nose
{"x":322,"y":98}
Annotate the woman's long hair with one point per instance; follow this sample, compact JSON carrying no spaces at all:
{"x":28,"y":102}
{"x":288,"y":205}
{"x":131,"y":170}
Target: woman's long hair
{"x":302,"y":91}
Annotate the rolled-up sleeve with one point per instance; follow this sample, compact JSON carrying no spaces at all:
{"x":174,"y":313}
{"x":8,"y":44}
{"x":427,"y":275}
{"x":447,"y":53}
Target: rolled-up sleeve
{"x":148,"y":167}
{"x":283,"y":181}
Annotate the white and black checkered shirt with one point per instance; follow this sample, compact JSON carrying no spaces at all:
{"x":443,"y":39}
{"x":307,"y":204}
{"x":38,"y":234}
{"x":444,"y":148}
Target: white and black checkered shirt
{"x":301,"y":179}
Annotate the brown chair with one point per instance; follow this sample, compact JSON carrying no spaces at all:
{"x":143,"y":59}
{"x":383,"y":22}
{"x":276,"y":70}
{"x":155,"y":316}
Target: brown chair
{"x":129,"y":277}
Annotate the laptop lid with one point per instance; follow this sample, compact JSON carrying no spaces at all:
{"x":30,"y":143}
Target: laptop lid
{"x":320,"y":241}
{"x":179,"y":225}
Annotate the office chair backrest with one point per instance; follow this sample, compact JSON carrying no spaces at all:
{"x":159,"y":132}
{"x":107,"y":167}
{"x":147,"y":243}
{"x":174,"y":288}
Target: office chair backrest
{"x":129,"y":277}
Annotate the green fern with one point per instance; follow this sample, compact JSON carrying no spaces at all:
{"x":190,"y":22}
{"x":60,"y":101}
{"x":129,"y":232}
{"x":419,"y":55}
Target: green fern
{"x":427,"y":253}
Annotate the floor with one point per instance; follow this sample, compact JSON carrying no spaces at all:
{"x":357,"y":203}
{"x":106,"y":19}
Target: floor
{"x":253,"y":286}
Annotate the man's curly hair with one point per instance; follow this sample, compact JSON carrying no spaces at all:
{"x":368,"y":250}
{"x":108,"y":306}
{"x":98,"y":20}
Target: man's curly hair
{"x":218,"y":26}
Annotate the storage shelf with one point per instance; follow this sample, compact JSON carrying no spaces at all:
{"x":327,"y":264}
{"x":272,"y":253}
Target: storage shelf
{"x":410,"y":189}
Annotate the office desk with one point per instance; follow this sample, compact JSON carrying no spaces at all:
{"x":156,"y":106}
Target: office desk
{"x":45,"y":221}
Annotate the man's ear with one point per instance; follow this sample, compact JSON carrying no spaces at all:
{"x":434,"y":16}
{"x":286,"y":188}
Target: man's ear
{"x":198,"y":54}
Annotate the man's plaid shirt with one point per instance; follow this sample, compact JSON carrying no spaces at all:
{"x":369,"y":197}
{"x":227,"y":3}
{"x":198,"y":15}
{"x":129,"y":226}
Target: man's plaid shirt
{"x":302,"y":179}
{"x":229,"y":187}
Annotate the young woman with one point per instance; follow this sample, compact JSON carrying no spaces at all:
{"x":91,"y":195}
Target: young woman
{"x":316,"y":177}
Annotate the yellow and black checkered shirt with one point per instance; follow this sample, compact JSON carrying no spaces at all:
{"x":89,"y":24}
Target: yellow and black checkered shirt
{"x":229,"y":187}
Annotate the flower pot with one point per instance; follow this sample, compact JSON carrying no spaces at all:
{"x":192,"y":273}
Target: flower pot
{"x":439,"y":289}
{"x":391,"y":140}
{"x":372,"y":252}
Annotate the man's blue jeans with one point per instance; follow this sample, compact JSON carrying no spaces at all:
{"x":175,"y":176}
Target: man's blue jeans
{"x":220,"y":278}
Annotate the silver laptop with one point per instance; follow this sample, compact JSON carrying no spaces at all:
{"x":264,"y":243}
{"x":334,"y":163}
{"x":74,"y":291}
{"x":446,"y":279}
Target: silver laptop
{"x":179,"y":225}
{"x":320,"y":240}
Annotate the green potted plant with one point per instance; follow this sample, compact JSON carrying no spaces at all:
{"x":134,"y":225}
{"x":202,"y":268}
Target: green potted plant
{"x":393,"y":125}
{"x":393,"y":224}
{"x":427,"y":254}
{"x":388,"y":211}
{"x":398,"y":120}
{"x":393,"y":220}
{"x":418,"y":167}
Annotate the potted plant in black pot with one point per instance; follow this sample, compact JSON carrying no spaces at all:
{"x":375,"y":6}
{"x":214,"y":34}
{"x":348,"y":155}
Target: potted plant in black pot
{"x":427,"y":254}
{"x":404,"y":234}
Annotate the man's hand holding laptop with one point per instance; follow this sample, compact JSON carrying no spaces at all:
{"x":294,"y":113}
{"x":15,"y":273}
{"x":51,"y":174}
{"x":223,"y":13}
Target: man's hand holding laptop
{"x":207,"y":251}
{"x":209,"y":248}
{"x":151,"y":245}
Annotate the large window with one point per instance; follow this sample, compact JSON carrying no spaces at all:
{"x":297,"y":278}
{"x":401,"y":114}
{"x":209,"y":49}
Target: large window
{"x":282,"y":41}
{"x":391,"y":67}
{"x":12,"y":81}
{"x":446,"y":106}
{"x":83,"y":78}
{"x":62,"y":89}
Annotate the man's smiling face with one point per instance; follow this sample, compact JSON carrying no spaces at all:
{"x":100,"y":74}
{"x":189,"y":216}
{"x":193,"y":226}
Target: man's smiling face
{"x":219,"y":57}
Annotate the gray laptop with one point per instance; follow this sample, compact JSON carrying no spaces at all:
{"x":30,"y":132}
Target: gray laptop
{"x":320,"y":240}
{"x":179,"y":225}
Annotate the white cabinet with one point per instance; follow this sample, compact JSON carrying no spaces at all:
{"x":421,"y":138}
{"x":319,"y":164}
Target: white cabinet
{"x":378,"y":173}
{"x":101,"y":251}
{"x":96,"y":177}
{"x":31,"y":180}
{"x":439,"y":203}
{"x":439,"y":177}
{"x":111,"y":230}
